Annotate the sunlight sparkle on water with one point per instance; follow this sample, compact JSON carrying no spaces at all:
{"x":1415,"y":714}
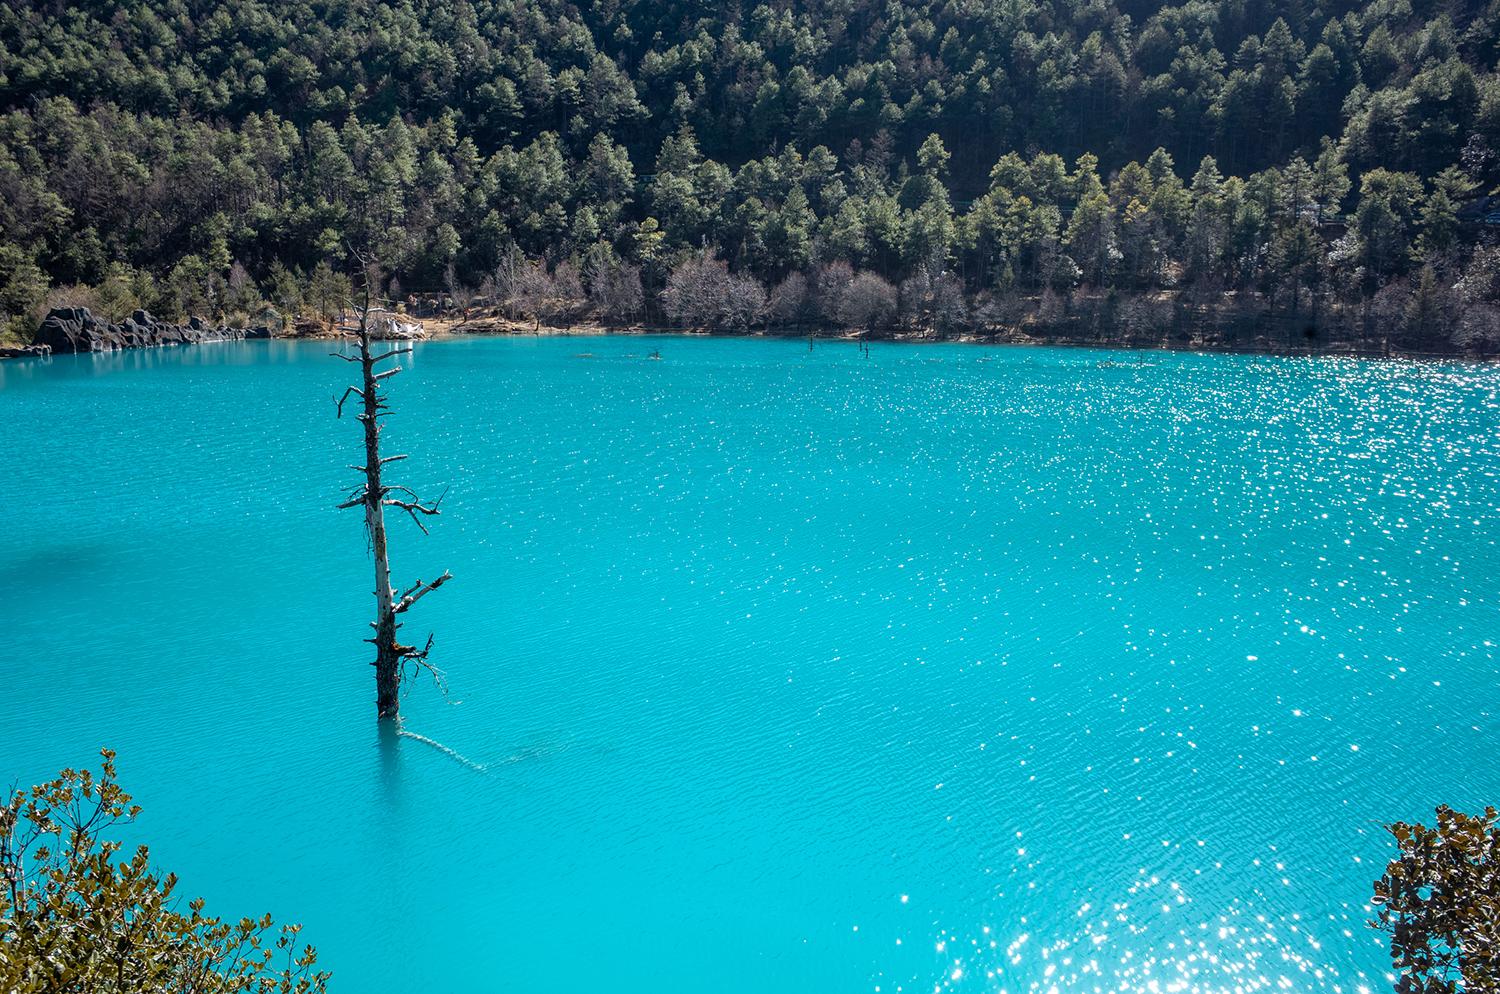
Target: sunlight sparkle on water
{"x":947,"y":669}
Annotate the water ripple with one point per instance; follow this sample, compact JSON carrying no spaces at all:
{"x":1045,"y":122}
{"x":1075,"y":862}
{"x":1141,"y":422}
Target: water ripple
{"x":1013,"y":670}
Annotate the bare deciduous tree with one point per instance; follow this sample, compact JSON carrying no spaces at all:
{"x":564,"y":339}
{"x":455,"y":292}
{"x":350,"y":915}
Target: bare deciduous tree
{"x":916,"y":298}
{"x":868,"y":302}
{"x":832,"y":283}
{"x":531,"y":289}
{"x":394,"y":661}
{"x":933,"y":298}
{"x":506,"y":281}
{"x":696,"y":290}
{"x":1145,"y":316}
{"x":949,"y":309}
{"x":790,"y":300}
{"x":1387,"y":310}
{"x":614,"y":287}
{"x":567,"y":294}
{"x":995,"y":311}
{"x":241,"y":293}
{"x":701,"y":292}
{"x":618,"y":294}
{"x":1050,"y":309}
{"x":744,"y":301}
{"x":460,"y":293}
{"x":1479,"y":329}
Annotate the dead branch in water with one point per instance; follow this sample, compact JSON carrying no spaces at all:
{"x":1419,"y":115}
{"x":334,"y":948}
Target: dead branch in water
{"x":394,"y":661}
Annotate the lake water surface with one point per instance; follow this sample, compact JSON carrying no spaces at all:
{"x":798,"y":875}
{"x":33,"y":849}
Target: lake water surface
{"x":773,"y":670}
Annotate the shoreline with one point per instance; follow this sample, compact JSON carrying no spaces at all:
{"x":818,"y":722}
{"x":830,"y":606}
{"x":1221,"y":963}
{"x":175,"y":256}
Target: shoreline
{"x":443,"y":329}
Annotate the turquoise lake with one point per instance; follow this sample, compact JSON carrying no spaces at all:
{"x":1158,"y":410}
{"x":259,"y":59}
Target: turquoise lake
{"x":773,"y":669}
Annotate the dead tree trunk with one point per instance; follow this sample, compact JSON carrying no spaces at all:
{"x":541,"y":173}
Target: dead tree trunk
{"x":393,"y":660}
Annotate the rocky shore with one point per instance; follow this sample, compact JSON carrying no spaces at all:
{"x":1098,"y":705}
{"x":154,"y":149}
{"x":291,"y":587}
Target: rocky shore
{"x":77,"y":329}
{"x":24,"y":351}
{"x":1251,"y":334}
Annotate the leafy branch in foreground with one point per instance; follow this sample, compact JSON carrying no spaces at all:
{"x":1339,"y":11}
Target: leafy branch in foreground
{"x":73,"y":917}
{"x":1440,"y":901}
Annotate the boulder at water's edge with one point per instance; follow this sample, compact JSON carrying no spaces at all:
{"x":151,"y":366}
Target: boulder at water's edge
{"x":76,"y":329}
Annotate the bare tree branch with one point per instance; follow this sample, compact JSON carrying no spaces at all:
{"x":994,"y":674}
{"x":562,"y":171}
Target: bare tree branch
{"x":390,"y":354}
{"x":419,"y":590}
{"x":339,"y":404}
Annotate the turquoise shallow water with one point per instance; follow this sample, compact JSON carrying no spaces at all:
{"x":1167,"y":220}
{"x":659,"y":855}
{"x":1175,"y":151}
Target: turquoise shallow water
{"x":953,"y":668}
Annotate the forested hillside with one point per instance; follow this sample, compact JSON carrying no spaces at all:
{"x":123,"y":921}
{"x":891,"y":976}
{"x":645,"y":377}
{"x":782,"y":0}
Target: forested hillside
{"x":937,"y":164}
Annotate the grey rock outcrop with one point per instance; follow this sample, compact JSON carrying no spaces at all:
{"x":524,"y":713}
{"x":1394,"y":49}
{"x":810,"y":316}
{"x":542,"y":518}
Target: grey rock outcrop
{"x":24,"y":351}
{"x":76,"y":329}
